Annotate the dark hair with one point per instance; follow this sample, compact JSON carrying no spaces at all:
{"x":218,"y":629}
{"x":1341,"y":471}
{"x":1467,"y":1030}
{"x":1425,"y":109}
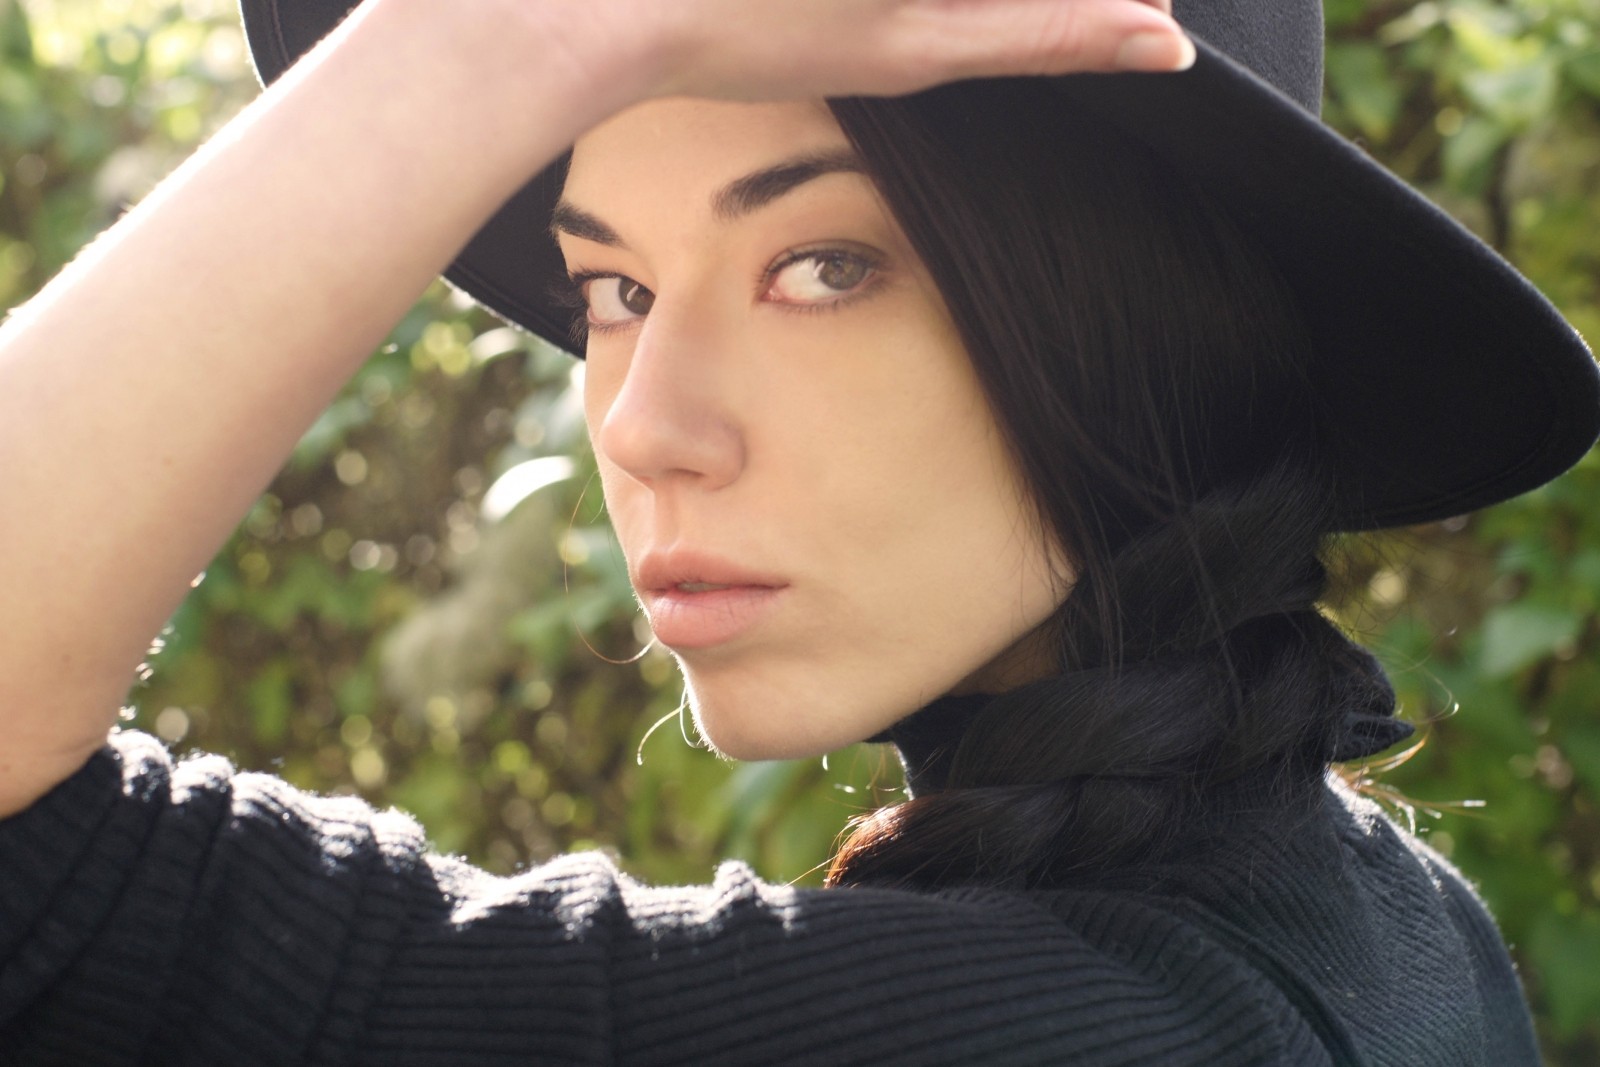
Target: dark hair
{"x":1148,"y":367}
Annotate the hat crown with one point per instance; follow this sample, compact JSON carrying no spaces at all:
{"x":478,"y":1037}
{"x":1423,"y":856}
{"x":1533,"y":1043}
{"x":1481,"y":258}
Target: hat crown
{"x":1281,"y":41}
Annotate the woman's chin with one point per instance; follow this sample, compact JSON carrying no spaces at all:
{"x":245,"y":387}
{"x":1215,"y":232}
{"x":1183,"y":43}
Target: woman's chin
{"x":771,"y":733}
{"x":794,"y":725}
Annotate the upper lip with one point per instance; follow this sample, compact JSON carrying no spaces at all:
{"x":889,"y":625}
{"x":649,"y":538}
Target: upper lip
{"x":660,"y":571}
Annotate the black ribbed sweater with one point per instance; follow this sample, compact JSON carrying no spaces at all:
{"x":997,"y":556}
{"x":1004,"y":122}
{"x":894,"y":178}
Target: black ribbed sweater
{"x":153,"y":913}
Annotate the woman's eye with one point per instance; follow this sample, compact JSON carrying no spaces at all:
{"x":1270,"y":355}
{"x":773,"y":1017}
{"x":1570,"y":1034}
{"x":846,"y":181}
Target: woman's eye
{"x":819,"y":277}
{"x":614,"y":300}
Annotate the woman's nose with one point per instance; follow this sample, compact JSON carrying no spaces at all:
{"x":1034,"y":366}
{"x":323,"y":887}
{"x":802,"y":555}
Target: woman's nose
{"x":671,"y":417}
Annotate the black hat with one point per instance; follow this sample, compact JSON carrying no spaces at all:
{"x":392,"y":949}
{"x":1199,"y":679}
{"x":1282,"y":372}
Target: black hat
{"x":1445,"y":381}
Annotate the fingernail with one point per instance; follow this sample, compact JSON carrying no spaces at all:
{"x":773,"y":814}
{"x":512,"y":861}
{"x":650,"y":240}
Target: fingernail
{"x":1156,"y":52}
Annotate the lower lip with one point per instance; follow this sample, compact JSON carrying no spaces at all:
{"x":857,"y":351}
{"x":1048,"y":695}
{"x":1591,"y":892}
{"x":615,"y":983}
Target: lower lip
{"x":685,"y":620}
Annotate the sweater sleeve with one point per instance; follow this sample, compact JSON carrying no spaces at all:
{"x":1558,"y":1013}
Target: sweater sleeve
{"x":159,"y":912}
{"x":153,"y":912}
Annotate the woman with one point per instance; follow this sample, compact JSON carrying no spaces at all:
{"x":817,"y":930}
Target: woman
{"x":978,"y":403}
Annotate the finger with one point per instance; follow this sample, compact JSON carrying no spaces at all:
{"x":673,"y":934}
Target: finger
{"x":1108,"y":35}
{"x":977,"y":38}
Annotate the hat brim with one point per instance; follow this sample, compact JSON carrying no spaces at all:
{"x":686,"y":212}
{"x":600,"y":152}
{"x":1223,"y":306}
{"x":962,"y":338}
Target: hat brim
{"x":1444,"y":380}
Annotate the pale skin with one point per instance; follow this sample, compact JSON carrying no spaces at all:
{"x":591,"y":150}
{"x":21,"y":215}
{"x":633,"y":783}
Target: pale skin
{"x":149,"y":394}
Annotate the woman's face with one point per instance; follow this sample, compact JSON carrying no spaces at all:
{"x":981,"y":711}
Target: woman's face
{"x":818,"y":511}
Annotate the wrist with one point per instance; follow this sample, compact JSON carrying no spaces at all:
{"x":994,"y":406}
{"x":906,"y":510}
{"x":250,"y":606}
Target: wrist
{"x":591,"y":57}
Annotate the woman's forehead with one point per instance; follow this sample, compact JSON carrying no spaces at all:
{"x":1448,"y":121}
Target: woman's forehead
{"x":698,"y":142}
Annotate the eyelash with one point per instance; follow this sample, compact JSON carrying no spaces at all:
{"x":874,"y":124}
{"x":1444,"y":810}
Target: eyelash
{"x":568,"y":292}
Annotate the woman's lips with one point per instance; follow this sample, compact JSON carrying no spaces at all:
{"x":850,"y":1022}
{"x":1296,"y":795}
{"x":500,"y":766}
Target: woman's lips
{"x":699,"y":601}
{"x":702,"y":615}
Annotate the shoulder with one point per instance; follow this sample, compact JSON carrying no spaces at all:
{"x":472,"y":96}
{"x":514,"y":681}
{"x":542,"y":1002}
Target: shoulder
{"x":1434,"y":916}
{"x":1382,"y":939}
{"x":1395,"y":862}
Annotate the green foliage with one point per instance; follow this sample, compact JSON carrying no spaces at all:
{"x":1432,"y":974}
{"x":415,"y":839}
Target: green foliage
{"x":1489,"y":625}
{"x":383,"y":623}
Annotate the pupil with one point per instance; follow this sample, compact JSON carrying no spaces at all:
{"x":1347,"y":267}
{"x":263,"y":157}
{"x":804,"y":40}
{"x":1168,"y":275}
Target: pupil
{"x":636,"y":298}
{"x":838,"y":272}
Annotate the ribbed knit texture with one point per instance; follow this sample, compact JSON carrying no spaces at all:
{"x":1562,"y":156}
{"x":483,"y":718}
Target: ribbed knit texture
{"x":153,"y":913}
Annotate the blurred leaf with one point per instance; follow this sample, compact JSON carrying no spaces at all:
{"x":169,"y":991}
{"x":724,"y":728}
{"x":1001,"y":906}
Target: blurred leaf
{"x":1516,"y":635}
{"x":751,"y":799}
{"x":1515,"y":96}
{"x":16,"y":36}
{"x":1567,"y":948}
{"x":1584,"y":71}
{"x":357,"y":693}
{"x":271,"y":700}
{"x":26,"y":121}
{"x":1342,"y":12}
{"x":1469,"y":153}
{"x":1581,"y":745}
{"x":1488,"y":36}
{"x":329,"y":432}
{"x":438,"y":793}
{"x":1358,"y":76}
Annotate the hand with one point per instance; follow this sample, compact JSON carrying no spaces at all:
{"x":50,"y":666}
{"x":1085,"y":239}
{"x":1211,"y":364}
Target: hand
{"x":791,"y":49}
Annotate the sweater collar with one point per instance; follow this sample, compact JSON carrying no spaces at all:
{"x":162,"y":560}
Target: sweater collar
{"x":927,"y":739}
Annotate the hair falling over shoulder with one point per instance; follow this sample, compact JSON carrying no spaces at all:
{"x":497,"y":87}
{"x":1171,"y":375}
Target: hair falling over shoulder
{"x":1148,"y":367}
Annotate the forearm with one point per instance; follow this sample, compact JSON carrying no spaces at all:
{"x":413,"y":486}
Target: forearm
{"x":150,"y":393}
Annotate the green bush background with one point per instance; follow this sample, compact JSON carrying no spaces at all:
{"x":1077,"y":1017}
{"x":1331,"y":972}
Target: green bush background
{"x":385,"y":623}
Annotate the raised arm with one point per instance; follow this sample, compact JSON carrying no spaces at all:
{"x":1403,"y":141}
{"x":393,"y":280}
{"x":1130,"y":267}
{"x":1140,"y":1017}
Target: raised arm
{"x":150,"y":392}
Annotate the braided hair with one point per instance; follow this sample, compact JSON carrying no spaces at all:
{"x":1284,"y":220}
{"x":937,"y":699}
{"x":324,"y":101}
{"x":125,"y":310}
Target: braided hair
{"x":1148,"y":368}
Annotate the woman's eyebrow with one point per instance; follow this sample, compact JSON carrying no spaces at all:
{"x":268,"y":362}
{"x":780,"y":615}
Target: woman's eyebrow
{"x":567,"y":217}
{"x":755,"y":190}
{"x":738,"y":198}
